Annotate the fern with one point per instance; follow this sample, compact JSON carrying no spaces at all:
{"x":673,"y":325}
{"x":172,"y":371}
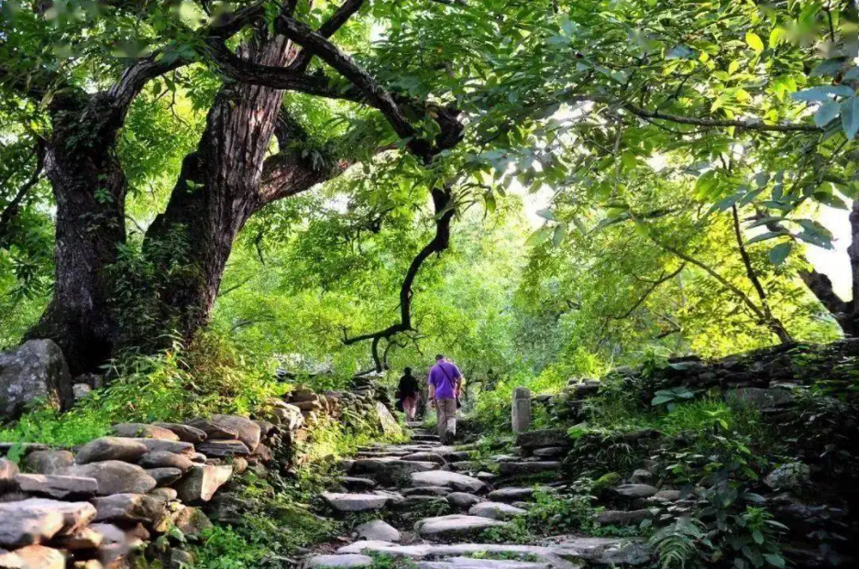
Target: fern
{"x":677,"y":543}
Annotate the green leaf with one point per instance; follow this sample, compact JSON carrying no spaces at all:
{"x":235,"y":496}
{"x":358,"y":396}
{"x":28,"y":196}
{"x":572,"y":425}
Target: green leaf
{"x":764,"y":237}
{"x":822,"y":93}
{"x":560,"y":233}
{"x":779,"y":253}
{"x":826,"y":113}
{"x":489,"y":200}
{"x":758,"y":537}
{"x":659,"y":400}
{"x":546,"y":214}
{"x":539,"y":236}
{"x":754,"y":41}
{"x":850,"y":117}
{"x":774,"y":560}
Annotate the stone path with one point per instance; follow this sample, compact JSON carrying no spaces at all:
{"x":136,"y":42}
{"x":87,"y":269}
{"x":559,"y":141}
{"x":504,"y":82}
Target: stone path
{"x":402,"y":483}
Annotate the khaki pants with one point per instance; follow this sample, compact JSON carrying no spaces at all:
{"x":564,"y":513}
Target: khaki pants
{"x":446,"y":411}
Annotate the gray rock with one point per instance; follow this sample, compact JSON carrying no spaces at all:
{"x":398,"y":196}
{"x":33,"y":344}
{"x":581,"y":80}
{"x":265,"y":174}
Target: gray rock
{"x":84,"y":538}
{"x":248,"y":431}
{"x":425,"y":457}
{"x":56,"y":486}
{"x":110,"y":448}
{"x":664,"y":496}
{"x":49,"y":461}
{"x":340,"y":561}
{"x":623,"y":517}
{"x":41,"y":557}
{"x":551,"y":452}
{"x":290,"y":417}
{"x":495,"y":510}
{"x":641,"y":476}
{"x":528,"y":468}
{"x":427,"y":491}
{"x":164,"y":459}
{"x":129,"y":508}
{"x":511,"y":494}
{"x":790,"y":476}
{"x":378,"y":530}
{"x":357,"y":502}
{"x":265,"y":427}
{"x":223,"y":448}
{"x":191,"y":521}
{"x":186,"y":433}
{"x":161,"y":445}
{"x":543,"y":438}
{"x":636,"y":490}
{"x":355,"y":483}
{"x":454,"y":526}
{"x":201,"y":482}
{"x":214,"y":429}
{"x":37,"y":520}
{"x":388,"y":471}
{"x":114,"y":477}
{"x":463,"y":499}
{"x":454,"y":480}
{"x":165,"y":494}
{"x":760,"y":398}
{"x":36,"y":370}
{"x":80,"y":390}
{"x":180,"y":559}
{"x":164,"y":476}
{"x":144,"y":431}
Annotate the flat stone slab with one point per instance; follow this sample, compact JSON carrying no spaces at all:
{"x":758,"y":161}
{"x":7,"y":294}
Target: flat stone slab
{"x":358,"y":483}
{"x":454,"y":480}
{"x":543,"y":438}
{"x":511,"y":494}
{"x":348,"y":561}
{"x":378,"y":530}
{"x":425,"y":456}
{"x":636,"y":490}
{"x":623,"y":517}
{"x":495,"y":510}
{"x":388,"y":470}
{"x":463,"y":499}
{"x":454,"y":526}
{"x":532,"y":467}
{"x":37,"y":520}
{"x":475,"y":563}
{"x":358,"y":502}
{"x":56,"y":486}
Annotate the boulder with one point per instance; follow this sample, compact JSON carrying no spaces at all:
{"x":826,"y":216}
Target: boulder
{"x":223,"y":448}
{"x":495,"y":510}
{"x":129,"y":508}
{"x":641,"y":476}
{"x":41,"y":557}
{"x":110,"y":448}
{"x":248,"y":431}
{"x":144,"y":431}
{"x":56,"y":486}
{"x":186,"y":433}
{"x":454,"y":480}
{"x":543,"y":438}
{"x":454,"y":526}
{"x":37,"y":520}
{"x":387,"y":422}
{"x":357,"y":502}
{"x":201,"y":482}
{"x":790,"y":476}
{"x":214,"y":429}
{"x":114,"y":477}
{"x":463,"y":499}
{"x":191,"y":521}
{"x":80,"y":390}
{"x":379,"y":531}
{"x":35,"y":371}
{"x":164,"y":476}
{"x":164,"y":459}
{"x":49,"y":461}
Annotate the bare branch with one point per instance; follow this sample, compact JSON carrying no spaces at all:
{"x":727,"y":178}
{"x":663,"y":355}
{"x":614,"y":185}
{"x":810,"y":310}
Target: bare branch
{"x":328,"y":29}
{"x":12,"y":208}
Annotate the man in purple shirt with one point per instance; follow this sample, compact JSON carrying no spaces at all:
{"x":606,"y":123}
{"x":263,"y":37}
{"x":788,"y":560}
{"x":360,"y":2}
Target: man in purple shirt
{"x":445,"y":383}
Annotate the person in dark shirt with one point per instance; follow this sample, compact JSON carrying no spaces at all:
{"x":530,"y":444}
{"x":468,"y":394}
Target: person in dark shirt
{"x":409,"y":391}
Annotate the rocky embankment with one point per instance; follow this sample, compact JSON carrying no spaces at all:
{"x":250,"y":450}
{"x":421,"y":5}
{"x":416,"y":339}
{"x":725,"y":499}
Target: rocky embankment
{"x":105,"y":502}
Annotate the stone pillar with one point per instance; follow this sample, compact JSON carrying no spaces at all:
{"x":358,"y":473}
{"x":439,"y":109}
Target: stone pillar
{"x":521,"y":413}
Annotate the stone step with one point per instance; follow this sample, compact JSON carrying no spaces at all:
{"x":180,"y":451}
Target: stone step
{"x":566,"y":553}
{"x":528,"y":468}
{"x":456,"y":525}
{"x":513,"y":494}
{"x":354,"y":502}
{"x":388,"y":471}
{"x":425,"y":438}
{"x":495,"y":510}
{"x":481,"y":563}
{"x":453,"y":480}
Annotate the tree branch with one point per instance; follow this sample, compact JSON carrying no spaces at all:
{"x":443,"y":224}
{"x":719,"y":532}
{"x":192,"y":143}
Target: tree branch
{"x":444,"y":210}
{"x":12,"y":208}
{"x":328,"y":29}
{"x":653,"y":286}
